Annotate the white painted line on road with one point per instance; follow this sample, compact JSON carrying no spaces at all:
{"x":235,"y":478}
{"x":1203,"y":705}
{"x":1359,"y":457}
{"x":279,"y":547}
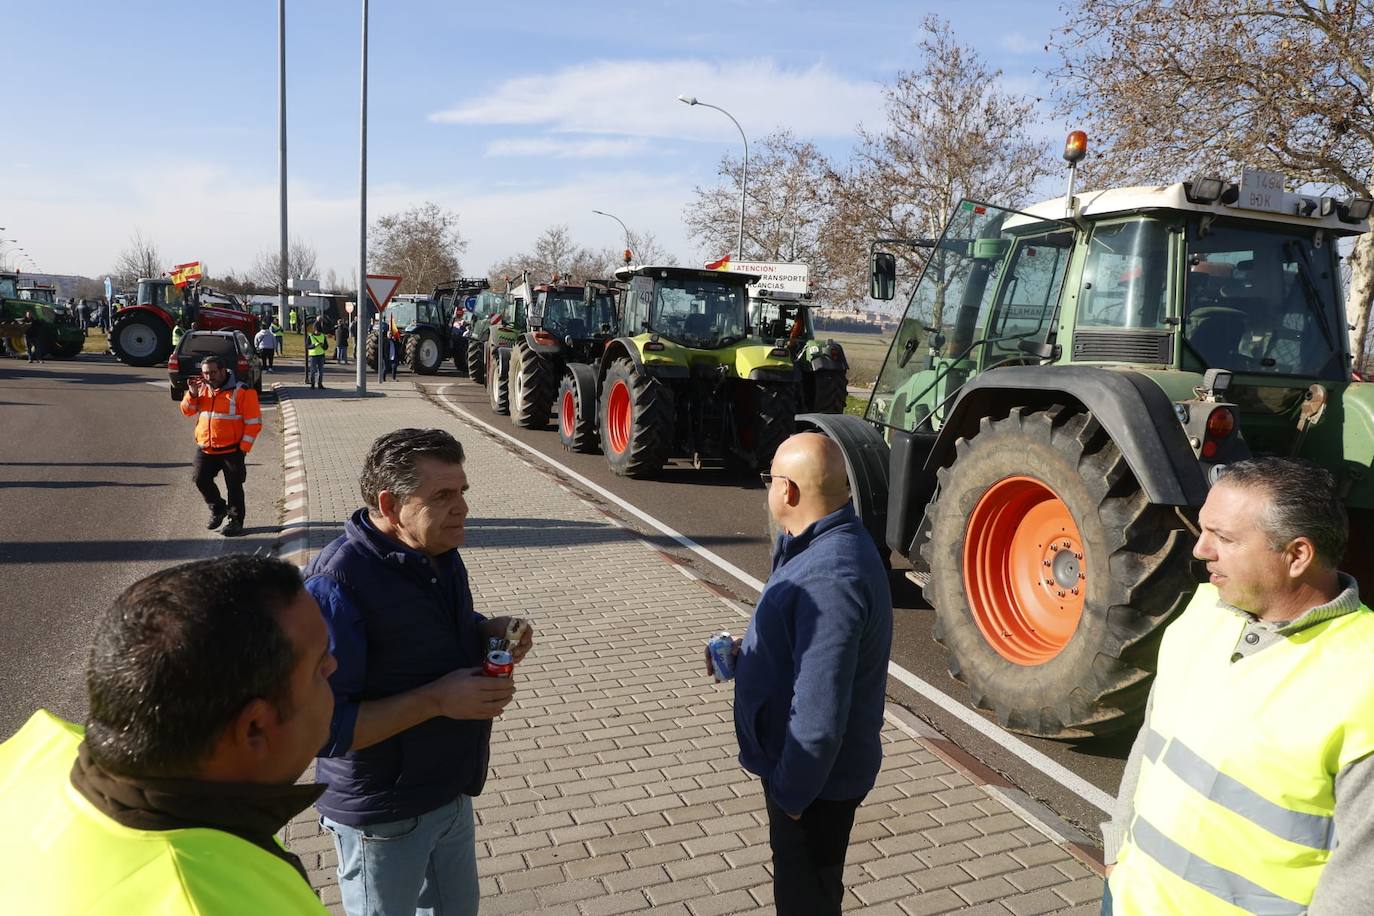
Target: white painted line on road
{"x":1008,"y":742}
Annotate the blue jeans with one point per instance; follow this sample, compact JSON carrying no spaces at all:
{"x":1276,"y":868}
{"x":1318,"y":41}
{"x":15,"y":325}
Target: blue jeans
{"x":314,"y":370}
{"x":425,"y":865}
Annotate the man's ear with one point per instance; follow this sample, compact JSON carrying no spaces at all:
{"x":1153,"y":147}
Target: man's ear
{"x":247,"y":733}
{"x":1301,"y":556}
{"x":388,"y":506}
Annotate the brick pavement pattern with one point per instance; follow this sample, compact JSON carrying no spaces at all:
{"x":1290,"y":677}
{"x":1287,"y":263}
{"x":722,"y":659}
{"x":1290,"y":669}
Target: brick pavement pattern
{"x":614,"y":785}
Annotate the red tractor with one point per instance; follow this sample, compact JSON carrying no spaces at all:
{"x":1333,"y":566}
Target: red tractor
{"x":142,"y":333}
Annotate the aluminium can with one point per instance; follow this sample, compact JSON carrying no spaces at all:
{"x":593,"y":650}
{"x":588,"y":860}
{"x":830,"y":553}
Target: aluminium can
{"x":721,"y":646}
{"x":498,"y":664}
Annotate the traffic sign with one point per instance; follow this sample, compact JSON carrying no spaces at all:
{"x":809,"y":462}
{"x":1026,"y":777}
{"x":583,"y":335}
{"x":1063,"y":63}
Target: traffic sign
{"x":380,"y":289}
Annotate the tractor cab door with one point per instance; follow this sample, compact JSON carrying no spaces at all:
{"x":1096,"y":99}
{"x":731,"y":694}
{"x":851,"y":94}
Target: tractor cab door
{"x":1026,"y":298}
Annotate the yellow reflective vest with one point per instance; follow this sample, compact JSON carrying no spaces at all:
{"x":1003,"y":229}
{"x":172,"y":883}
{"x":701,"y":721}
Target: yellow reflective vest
{"x":63,"y":856}
{"x":1233,"y":810}
{"x":318,"y":344}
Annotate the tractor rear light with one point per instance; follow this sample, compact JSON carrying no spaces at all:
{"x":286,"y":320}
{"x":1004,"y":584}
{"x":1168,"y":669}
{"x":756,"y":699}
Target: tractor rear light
{"x":544,"y":337}
{"x":654,"y":346}
{"x":1209,"y":449}
{"x":1220,"y":424}
{"x":834,"y":352}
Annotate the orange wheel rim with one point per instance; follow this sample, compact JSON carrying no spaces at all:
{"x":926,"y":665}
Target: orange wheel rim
{"x":618,"y":417}
{"x":1024,"y":570}
{"x":565,"y":414}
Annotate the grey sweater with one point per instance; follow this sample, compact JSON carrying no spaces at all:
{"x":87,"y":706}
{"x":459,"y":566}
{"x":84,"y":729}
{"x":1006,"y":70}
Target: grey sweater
{"x":1347,"y":883}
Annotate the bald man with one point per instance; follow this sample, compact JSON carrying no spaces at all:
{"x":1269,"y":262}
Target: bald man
{"x":811,"y":674}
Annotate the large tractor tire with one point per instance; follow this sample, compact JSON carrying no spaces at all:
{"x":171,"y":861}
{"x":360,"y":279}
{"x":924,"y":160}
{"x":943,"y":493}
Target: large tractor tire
{"x":773,"y":421}
{"x":374,"y":344}
{"x":829,"y":390}
{"x":1051,"y":574}
{"x":499,"y":376}
{"x":477,"y":367}
{"x":141,"y":340}
{"x":66,"y":349}
{"x":424,"y":353}
{"x":458,"y":352}
{"x":636,"y":421}
{"x":577,"y":409}
{"x":533,"y":387}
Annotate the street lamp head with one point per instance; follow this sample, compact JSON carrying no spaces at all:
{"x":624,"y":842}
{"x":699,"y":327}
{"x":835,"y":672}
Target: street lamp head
{"x":688,"y":99}
{"x":600,"y":213}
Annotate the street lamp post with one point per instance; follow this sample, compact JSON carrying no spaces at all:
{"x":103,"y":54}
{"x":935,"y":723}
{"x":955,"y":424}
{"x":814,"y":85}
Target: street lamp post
{"x":360,"y":310}
{"x":744,"y":174}
{"x":622,"y":226}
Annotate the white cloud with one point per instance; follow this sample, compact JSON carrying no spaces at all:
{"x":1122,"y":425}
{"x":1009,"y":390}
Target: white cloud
{"x":594,"y":148}
{"x":639,"y":98}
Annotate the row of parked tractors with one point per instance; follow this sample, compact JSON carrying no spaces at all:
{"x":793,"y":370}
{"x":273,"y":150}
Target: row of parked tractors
{"x":657,"y":364}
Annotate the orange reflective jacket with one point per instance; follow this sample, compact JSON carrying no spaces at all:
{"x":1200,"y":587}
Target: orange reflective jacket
{"x":227,"y":420}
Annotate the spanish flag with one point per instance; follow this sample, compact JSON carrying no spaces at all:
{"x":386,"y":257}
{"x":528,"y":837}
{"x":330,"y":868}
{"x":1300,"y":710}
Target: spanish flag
{"x":184,"y":273}
{"x":722,"y":264}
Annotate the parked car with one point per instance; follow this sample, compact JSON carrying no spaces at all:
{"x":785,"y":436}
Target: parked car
{"x":233,"y":346}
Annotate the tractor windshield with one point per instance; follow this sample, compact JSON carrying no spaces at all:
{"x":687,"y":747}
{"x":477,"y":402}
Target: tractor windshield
{"x":402,"y":312}
{"x":37,"y":294}
{"x":567,"y":313}
{"x":703,"y":314}
{"x":991,"y":281}
{"x":774,"y":319}
{"x":1262,"y":299}
{"x":7,"y":289}
{"x":488,"y":304}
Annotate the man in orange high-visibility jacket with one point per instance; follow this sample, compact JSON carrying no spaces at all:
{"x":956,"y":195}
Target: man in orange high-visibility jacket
{"x":228,"y":420}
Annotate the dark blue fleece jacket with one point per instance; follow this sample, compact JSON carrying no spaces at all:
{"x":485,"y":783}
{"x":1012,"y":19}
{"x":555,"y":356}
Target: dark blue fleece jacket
{"x":396,"y":622}
{"x":811,"y":676}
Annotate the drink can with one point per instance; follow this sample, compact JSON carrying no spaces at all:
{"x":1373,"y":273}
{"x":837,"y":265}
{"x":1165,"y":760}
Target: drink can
{"x":498,"y":664}
{"x":721,"y":646}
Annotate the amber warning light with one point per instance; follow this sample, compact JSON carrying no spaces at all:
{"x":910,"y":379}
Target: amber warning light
{"x":1076,"y":146}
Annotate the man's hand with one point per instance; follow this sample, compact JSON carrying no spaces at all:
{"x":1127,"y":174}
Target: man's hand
{"x":469,"y":694}
{"x":734,"y":653}
{"x":498,"y":627}
{"x":196,"y":386}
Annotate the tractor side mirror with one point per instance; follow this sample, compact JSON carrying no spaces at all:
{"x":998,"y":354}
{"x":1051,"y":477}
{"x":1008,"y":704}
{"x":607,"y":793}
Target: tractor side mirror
{"x":883,"y":283}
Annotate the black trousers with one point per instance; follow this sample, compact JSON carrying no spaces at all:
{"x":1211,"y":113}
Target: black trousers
{"x":235,"y":471}
{"x":808,"y":856}
{"x":267,"y":357}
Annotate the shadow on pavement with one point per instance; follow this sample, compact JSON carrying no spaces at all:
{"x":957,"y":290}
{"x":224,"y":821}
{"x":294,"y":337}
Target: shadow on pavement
{"x":94,"y":464}
{"x":69,"y":484}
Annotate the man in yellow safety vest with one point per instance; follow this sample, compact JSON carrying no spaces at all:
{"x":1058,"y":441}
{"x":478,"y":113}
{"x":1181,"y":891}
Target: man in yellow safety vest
{"x":316,"y":346}
{"x":1257,"y":752}
{"x":208,"y":687}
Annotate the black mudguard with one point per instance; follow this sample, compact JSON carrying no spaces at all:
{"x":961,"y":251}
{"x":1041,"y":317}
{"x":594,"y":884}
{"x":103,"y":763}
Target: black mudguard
{"x":865,"y":461}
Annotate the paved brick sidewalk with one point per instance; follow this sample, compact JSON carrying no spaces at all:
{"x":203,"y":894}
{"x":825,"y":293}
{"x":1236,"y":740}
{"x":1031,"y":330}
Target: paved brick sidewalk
{"x":614,"y":786}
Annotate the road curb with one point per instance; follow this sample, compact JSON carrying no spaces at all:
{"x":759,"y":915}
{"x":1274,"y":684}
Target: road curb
{"x":294,"y":542}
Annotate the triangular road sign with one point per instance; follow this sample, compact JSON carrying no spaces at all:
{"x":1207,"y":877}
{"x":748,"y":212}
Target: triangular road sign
{"x":380,"y":289}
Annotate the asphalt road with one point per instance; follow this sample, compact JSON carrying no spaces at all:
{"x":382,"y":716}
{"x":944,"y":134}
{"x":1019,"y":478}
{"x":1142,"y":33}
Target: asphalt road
{"x":726,"y":513}
{"x":96,"y":492}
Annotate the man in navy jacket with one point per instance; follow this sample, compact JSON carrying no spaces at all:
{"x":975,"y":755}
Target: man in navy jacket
{"x":811,"y":674}
{"x":409,"y":742}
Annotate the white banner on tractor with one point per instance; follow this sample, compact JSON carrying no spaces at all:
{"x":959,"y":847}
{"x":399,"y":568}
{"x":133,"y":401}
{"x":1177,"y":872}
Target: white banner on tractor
{"x":773,"y":276}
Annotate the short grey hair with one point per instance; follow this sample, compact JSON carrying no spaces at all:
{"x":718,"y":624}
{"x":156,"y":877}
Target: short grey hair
{"x":1303,"y":501}
{"x":391,"y":461}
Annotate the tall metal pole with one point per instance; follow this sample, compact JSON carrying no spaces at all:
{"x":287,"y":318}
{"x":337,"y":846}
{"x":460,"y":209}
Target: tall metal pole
{"x":622,"y":225}
{"x":281,"y":155}
{"x":361,"y":309}
{"x":744,"y":174}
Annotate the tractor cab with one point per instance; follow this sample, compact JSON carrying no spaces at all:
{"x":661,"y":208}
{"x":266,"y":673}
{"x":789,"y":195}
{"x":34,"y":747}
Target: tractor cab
{"x":697,"y":309}
{"x":36,"y":293}
{"x":782,"y":316}
{"x":577,"y":312}
{"x":162,"y":294}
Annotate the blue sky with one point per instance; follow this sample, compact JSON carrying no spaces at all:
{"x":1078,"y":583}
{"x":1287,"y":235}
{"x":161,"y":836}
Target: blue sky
{"x":162,"y":116}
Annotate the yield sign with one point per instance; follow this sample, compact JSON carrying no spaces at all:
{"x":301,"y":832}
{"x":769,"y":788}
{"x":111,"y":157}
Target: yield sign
{"x":380,"y":289}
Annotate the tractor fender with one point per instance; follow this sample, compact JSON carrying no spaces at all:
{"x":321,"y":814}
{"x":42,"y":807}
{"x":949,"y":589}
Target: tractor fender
{"x":1133,"y":410}
{"x":628,"y":347}
{"x":753,"y":361}
{"x":585,"y":380}
{"x":132,"y":310}
{"x":822,"y":364}
{"x":865,"y":463}
{"x":544,"y":344}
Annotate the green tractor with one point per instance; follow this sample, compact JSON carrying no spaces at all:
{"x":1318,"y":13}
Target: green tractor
{"x":569,"y":326}
{"x":58,"y":331}
{"x":457,"y":300}
{"x":476,"y":328}
{"x":498,"y":337}
{"x":1064,"y":387}
{"x":785,"y":318}
{"x":685,"y":380}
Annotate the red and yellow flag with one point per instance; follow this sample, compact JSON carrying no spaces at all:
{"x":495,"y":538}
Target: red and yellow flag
{"x":182,"y":274}
{"x":722,"y":264}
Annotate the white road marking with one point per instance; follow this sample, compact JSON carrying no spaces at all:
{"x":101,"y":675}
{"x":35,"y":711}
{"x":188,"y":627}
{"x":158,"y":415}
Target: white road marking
{"x":158,"y":384}
{"x":1010,"y":743}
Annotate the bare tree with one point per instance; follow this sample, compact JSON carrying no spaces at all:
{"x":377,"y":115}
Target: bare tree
{"x":950,"y":133}
{"x":786,"y":213}
{"x":1169,"y":88}
{"x":421,"y":245}
{"x":554,"y":252}
{"x":301,"y":262}
{"x":139,"y":259}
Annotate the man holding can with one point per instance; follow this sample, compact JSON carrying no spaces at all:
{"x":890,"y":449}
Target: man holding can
{"x":409,"y":742}
{"x":811,"y":674}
